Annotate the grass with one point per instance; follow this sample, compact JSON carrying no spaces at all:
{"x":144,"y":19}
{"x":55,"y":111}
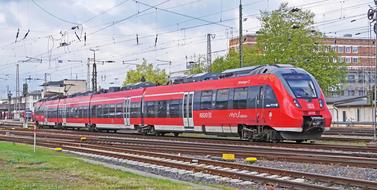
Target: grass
{"x":22,"y":169}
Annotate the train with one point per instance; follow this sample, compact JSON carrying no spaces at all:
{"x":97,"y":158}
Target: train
{"x":270,"y":103}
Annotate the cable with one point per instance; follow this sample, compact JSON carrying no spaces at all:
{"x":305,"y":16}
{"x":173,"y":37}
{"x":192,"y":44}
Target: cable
{"x":61,"y":19}
{"x":124,"y":19}
{"x":180,"y":14}
{"x":105,"y":11}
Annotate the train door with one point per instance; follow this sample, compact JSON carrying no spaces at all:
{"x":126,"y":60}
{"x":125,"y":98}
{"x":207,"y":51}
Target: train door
{"x":64,"y":113}
{"x":260,"y":106}
{"x":45,"y":114}
{"x":187,"y":110}
{"x":126,"y":111}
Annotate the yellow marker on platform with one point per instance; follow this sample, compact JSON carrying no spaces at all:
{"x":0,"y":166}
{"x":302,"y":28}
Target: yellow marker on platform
{"x":82,"y":138}
{"x":251,"y":159}
{"x":58,"y":149}
{"x":229,"y":157}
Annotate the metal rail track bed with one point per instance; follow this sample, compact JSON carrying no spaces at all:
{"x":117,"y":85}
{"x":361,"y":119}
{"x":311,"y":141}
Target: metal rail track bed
{"x":357,"y":159}
{"x":211,"y":140}
{"x":243,"y":174}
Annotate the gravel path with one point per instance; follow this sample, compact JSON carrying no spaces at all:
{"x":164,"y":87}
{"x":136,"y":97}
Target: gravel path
{"x":332,"y":170}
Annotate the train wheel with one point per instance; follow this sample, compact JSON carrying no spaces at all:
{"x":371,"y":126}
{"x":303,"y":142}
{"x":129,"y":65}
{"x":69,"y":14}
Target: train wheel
{"x":299,"y":141}
{"x":176,"y":134}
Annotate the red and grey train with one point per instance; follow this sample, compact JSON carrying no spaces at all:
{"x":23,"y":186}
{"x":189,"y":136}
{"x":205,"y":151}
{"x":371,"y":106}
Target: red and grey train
{"x":261,"y":103}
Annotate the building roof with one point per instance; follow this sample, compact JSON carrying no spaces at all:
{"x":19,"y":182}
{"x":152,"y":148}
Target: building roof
{"x":345,"y":101}
{"x":60,"y":83}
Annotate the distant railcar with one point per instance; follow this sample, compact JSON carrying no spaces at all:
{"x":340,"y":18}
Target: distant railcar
{"x":261,"y":103}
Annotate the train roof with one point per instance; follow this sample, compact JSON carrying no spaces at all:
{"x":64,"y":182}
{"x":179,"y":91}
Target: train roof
{"x":230,"y":73}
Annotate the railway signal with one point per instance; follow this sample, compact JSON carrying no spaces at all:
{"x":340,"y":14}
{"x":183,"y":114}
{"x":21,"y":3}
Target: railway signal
{"x":372,"y":16}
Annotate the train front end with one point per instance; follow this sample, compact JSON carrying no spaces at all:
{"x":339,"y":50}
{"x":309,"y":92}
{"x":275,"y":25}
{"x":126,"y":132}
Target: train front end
{"x":307,"y":105}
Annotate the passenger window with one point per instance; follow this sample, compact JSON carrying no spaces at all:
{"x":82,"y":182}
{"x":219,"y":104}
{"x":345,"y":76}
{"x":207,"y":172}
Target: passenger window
{"x":94,"y":113}
{"x":161,"y":109}
{"x":252,"y":96}
{"x":175,"y":108}
{"x":151,"y":109}
{"x":99,"y":111}
{"x":112,"y":111}
{"x":206,"y":100}
{"x":135,"y":110}
{"x":270,"y":100}
{"x":118,"y":111}
{"x":240,"y":98}
{"x":197,"y":95}
{"x":222,"y":97}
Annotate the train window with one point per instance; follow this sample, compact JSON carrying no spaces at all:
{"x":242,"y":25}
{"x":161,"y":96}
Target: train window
{"x":161,"y":109}
{"x":118,"y":112}
{"x":175,"y":108}
{"x":106,"y":110}
{"x":86,"y":112}
{"x":240,"y":98}
{"x":93,"y":111}
{"x":270,"y":100}
{"x":197,"y":95}
{"x":112,"y":110}
{"x":151,"y":109}
{"x":222,"y":99}
{"x":135,"y":110}
{"x":206,"y":100}
{"x":252,"y":96}
{"x":77,"y":115}
{"x":99,"y":111}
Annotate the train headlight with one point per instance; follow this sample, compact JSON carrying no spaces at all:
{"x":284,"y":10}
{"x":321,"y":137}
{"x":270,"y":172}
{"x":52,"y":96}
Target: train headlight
{"x":321,"y":103}
{"x":297,"y":104}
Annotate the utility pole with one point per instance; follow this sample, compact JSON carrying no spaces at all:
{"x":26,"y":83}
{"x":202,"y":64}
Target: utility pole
{"x":209,"y":51}
{"x":94,"y":73}
{"x":372,"y":16}
{"x":9,"y":101}
{"x":240,"y":37}
{"x":88,"y":76}
{"x":45,"y":86}
{"x":17,"y":106}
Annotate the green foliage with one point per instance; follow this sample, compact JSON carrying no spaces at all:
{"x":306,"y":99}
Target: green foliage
{"x":287,"y":37}
{"x":145,"y":72}
{"x":20,"y":168}
{"x":232,"y":60}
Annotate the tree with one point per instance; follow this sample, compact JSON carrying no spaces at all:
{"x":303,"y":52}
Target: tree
{"x":146,"y":73}
{"x":287,"y":36}
{"x":232,"y":60}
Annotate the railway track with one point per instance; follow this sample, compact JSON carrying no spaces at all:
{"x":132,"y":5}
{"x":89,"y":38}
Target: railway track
{"x":244,"y":174}
{"x":350,"y":131}
{"x":354,"y":156}
{"x":350,"y":148}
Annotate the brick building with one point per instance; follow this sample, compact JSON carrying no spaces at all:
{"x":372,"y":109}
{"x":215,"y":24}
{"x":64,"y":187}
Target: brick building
{"x":357,"y":53}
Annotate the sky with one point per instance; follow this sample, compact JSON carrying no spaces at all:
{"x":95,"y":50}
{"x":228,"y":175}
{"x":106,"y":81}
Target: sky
{"x":124,"y":32}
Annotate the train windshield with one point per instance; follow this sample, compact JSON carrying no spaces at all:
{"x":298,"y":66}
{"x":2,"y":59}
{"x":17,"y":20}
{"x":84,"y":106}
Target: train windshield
{"x":301,"y":85}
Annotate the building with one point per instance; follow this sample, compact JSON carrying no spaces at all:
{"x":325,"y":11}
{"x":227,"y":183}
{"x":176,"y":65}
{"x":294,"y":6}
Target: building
{"x":63,"y":87}
{"x":357,"y":53}
{"x":351,"y":110}
{"x":19,"y":103}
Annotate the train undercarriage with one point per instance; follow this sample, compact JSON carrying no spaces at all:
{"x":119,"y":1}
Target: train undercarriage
{"x":312,"y":129}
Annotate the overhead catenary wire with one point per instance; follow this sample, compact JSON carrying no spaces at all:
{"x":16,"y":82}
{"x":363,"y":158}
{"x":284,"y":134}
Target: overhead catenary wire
{"x":183,"y":28}
{"x":53,"y":15}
